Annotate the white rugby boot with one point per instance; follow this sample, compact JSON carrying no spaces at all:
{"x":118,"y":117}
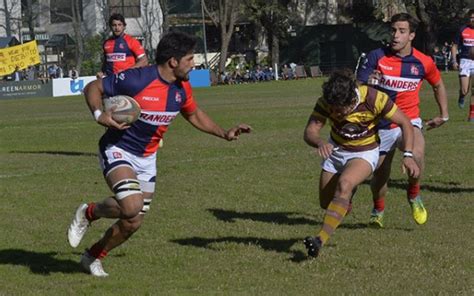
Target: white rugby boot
{"x":78,"y":226}
{"x":92,"y":265}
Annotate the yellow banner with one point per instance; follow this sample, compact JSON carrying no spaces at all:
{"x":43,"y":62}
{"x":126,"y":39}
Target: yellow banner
{"x":20,"y":56}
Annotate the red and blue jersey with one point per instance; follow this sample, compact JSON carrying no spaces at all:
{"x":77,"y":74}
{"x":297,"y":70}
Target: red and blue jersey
{"x":402,"y":77}
{"x":121,"y":53}
{"x":160,"y":103}
{"x":465,"y":41}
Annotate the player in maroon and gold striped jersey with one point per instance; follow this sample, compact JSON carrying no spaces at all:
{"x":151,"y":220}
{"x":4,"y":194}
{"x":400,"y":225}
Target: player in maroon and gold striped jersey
{"x":351,"y":154}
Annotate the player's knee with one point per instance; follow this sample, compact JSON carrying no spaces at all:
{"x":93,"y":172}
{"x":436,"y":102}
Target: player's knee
{"x":344,"y":187}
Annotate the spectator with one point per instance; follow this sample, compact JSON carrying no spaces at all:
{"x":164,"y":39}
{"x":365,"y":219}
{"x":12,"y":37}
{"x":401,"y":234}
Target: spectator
{"x":73,"y":73}
{"x":17,"y":76}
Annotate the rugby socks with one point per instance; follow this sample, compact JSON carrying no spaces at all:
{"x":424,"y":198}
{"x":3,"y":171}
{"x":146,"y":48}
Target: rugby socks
{"x":413,"y":191}
{"x":90,"y":212}
{"x":336,"y":211}
{"x":97,"y":251}
{"x":471,"y":113}
{"x":379,"y":204}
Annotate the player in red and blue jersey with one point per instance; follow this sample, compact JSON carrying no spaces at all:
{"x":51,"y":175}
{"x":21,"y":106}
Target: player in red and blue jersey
{"x":128,"y":153}
{"x":121,"y":51}
{"x":464,"y":43}
{"x":399,"y":71}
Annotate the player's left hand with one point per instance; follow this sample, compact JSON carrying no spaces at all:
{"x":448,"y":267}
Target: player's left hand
{"x":234,"y":133}
{"x":411,"y":167}
{"x":435,"y":122}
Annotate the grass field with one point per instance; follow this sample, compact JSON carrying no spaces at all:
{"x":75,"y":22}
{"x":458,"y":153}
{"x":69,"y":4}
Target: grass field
{"x":229,"y":218}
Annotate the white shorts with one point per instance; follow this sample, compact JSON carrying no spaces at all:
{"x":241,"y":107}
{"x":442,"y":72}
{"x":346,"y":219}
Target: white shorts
{"x":145,"y":167}
{"x":338,"y":159}
{"x":466,"y":67}
{"x":392,"y":138}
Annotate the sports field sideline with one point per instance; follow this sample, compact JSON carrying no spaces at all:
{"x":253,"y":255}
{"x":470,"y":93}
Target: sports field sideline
{"x":229,"y":218}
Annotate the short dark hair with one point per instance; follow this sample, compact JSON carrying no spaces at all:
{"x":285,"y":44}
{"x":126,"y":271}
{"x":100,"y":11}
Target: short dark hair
{"x":340,"y":89}
{"x":470,"y":12}
{"x":116,"y":17}
{"x":176,"y":45}
{"x":405,"y":17}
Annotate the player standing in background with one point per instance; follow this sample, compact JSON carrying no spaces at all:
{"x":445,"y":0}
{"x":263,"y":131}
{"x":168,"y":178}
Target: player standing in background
{"x":128,"y":153}
{"x":121,"y":51}
{"x":399,"y":71}
{"x":464,"y":42}
{"x":352,"y":152}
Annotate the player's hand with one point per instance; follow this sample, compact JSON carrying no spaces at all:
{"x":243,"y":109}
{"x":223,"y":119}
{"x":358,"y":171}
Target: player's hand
{"x":435,"y":122}
{"x":107,"y":120}
{"x":234,"y":133}
{"x":325,"y":150}
{"x":100,"y":74}
{"x":374,"y":78}
{"x":455,"y":66}
{"x":411,"y":167}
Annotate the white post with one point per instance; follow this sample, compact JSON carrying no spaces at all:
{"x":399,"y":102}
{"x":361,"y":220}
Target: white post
{"x":276,"y":71}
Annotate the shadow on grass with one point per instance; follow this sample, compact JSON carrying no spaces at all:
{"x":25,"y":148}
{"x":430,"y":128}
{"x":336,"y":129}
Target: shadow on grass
{"x":273,"y":245}
{"x":65,"y":153}
{"x":283,"y":218}
{"x":39,"y":263}
{"x":441,"y":187}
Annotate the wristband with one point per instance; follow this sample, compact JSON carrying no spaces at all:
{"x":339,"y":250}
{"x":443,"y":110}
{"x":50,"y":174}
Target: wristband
{"x":97,"y":114}
{"x":408,"y":154}
{"x":445,"y":118}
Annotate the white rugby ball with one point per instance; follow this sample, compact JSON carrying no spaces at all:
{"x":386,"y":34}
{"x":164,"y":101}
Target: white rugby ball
{"x":125,"y":108}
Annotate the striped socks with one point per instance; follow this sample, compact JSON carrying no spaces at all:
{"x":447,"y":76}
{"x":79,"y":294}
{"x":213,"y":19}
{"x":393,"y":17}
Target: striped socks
{"x":335,"y":212}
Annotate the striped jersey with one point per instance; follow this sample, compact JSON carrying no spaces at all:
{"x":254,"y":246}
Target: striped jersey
{"x":402,"y":77}
{"x":160,"y":103}
{"x":465,"y":41}
{"x":358,"y":130}
{"x":121,"y":53}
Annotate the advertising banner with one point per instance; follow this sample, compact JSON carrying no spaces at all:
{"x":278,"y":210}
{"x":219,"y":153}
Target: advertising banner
{"x":70,"y":87}
{"x":25,"y":89}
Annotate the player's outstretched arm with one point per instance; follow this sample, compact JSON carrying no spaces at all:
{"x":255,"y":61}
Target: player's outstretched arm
{"x":312,"y":137}
{"x":408,"y":134}
{"x":93,"y":93}
{"x":200,"y":120}
{"x":442,"y":100}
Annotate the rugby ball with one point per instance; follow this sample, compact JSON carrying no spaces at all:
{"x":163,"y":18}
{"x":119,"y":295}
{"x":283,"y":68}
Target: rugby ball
{"x":124,"y":108}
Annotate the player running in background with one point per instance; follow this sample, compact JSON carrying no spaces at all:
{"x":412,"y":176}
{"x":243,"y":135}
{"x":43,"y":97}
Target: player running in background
{"x":351,"y":154}
{"x":464,"y":42}
{"x":128,"y":153}
{"x":121,"y":51}
{"x":399,"y":71}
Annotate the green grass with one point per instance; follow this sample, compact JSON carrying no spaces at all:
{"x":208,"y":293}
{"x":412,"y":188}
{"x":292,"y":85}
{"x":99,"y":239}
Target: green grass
{"x":229,"y":218}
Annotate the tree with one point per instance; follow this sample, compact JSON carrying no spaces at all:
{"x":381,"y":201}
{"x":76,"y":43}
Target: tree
{"x":223,"y":14}
{"x":435,"y":15}
{"x":274,"y":17}
{"x":165,"y":8}
{"x":76,"y":20}
{"x":8,"y":9}
{"x":29,"y":17}
{"x":150,"y":26}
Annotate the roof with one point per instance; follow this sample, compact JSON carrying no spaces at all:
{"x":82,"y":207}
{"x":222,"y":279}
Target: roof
{"x":8,"y":41}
